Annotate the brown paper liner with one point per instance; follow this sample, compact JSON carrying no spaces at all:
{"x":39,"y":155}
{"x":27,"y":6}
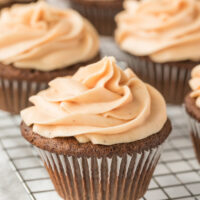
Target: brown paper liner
{"x":104,"y":178}
{"x":171,"y":80}
{"x":100,"y":13}
{"x":195,"y":134}
{"x":14,"y":94}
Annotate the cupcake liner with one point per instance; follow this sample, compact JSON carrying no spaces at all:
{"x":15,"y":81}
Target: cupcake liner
{"x":194,"y":126}
{"x":169,"y":79}
{"x":16,"y":89}
{"x":116,"y":177}
{"x":101,"y":16}
{"x":14,"y":94}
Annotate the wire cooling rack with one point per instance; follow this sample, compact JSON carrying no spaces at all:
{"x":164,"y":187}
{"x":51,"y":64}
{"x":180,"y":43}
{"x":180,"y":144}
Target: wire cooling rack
{"x":177,"y":175}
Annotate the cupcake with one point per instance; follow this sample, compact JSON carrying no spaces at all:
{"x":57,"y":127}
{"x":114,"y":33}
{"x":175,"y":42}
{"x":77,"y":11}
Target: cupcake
{"x":192,"y":107}
{"x":99,"y":132}
{"x":100,"y":13}
{"x":37,"y":44}
{"x":160,"y":43}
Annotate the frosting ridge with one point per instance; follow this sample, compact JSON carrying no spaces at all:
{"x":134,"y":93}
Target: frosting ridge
{"x":164,"y":30}
{"x":100,"y":103}
{"x":39,"y":36}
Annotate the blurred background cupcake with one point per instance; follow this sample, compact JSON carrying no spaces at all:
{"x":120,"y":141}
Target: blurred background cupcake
{"x":7,"y":3}
{"x":38,"y":43}
{"x":99,"y":132}
{"x":100,"y":12}
{"x":192,"y":107}
{"x":161,"y":40}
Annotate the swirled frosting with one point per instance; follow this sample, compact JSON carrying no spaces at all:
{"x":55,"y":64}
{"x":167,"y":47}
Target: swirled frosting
{"x":195,"y":85}
{"x":100,"y":103}
{"x":38,"y":36}
{"x":164,"y":30}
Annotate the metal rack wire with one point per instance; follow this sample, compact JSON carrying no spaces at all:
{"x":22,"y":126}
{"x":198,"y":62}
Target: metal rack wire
{"x":177,"y":175}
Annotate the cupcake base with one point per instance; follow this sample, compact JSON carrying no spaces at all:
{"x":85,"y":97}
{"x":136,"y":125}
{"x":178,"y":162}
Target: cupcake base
{"x":117,"y":177}
{"x":17,"y":85}
{"x":193,"y":115}
{"x":100,"y":13}
{"x":171,"y":78}
{"x":87,"y":171}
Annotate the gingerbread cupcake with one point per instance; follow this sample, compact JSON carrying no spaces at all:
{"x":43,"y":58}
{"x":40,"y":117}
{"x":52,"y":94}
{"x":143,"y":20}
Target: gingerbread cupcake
{"x":160,"y":43}
{"x":100,"y":12}
{"x":37,"y":44}
{"x":99,"y":132}
{"x":192,"y":107}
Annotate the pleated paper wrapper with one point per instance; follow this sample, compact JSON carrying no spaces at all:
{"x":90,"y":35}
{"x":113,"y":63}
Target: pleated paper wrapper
{"x":105,"y":178}
{"x":194,"y":126}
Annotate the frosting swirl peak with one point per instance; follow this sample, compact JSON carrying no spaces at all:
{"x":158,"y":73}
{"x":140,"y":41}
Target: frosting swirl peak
{"x":164,"y":30}
{"x":100,"y":103}
{"x":39,"y":36}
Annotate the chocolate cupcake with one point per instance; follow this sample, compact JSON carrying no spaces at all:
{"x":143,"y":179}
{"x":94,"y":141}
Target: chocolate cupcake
{"x":100,"y":12}
{"x":38,"y":44}
{"x":192,"y":107}
{"x":160,"y":44}
{"x":99,"y":132}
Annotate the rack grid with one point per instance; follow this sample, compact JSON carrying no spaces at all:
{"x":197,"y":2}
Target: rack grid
{"x":177,"y":175}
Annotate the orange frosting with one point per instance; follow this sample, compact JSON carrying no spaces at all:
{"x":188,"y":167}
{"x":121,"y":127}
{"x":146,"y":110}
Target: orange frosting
{"x":38,"y":36}
{"x":100,"y":103}
{"x":195,"y":84}
{"x":164,"y":30}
